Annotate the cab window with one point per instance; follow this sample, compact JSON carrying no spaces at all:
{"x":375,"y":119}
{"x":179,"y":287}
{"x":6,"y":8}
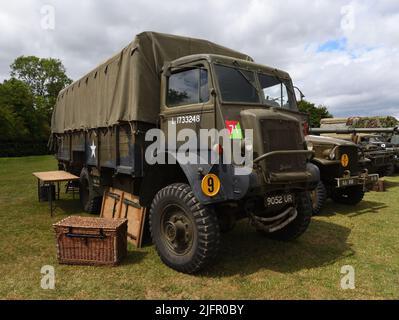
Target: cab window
{"x":237,"y":85}
{"x":274,"y":91}
{"x":188,"y":87}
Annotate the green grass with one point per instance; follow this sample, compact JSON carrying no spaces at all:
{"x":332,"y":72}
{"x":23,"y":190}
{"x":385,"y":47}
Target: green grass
{"x":248,"y":267}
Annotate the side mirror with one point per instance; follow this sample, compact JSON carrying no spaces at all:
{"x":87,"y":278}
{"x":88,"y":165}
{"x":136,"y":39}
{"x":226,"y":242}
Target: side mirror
{"x":301,"y":95}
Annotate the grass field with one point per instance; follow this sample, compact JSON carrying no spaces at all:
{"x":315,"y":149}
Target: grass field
{"x":249,"y":266}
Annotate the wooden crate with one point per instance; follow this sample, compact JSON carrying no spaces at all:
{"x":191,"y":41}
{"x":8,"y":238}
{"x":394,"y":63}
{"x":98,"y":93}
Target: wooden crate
{"x":91,"y":241}
{"x":135,"y":214}
{"x":379,"y":186}
{"x":112,"y":201}
{"x":122,"y":205}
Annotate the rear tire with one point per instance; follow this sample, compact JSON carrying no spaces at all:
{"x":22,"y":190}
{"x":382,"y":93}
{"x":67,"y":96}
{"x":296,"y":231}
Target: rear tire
{"x":318,"y":197}
{"x":185,"y":233}
{"x":297,"y":227}
{"x":89,"y":200}
{"x":350,"y":195}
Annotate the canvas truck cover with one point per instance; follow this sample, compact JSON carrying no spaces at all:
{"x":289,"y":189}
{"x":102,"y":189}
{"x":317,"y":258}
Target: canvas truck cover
{"x":359,"y":122}
{"x":127,"y":86}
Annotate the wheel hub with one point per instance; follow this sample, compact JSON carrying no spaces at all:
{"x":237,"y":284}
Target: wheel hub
{"x":170,"y":231}
{"x":177,"y":231}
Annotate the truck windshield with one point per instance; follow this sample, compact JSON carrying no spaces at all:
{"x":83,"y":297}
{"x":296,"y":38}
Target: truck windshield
{"x":275,"y":91}
{"x":241,"y":86}
{"x":237,"y":85}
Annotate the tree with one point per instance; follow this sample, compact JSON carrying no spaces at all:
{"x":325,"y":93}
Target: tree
{"x":18,"y":111}
{"x":316,"y":113}
{"x":11,"y":126}
{"x":45,"y":77}
{"x":18,"y":119}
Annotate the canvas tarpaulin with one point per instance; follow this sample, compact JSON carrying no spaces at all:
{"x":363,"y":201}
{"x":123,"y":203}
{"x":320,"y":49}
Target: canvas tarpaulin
{"x":127,"y":86}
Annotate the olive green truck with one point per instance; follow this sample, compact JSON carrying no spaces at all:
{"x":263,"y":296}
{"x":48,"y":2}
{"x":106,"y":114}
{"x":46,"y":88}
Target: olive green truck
{"x":99,"y":130}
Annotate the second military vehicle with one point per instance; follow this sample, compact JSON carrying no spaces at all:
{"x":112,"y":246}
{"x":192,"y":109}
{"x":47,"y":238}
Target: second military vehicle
{"x":383,"y":143}
{"x":100,"y":126}
{"x":341,"y":175}
{"x":382,"y":161}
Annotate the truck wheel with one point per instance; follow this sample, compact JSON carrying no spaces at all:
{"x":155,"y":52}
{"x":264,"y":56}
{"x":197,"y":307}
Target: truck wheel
{"x":318,"y":197}
{"x":297,"y":227}
{"x":90,"y":201}
{"x":185,"y":233}
{"x":350,"y":195}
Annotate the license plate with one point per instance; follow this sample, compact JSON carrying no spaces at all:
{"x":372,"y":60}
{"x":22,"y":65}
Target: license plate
{"x":278,"y":200}
{"x":347,"y":182}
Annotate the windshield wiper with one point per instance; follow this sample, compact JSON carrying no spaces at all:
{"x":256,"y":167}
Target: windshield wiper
{"x":246,"y":78}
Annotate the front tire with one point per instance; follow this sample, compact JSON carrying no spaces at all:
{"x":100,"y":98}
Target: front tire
{"x":185,"y":233}
{"x":318,"y":197}
{"x":350,"y":195}
{"x":297,"y":227}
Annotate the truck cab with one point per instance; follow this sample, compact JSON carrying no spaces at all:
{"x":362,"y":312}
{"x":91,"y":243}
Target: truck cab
{"x":218,"y":92}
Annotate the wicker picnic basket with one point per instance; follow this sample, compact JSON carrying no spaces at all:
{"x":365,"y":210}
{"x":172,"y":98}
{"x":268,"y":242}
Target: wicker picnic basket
{"x":91,"y":241}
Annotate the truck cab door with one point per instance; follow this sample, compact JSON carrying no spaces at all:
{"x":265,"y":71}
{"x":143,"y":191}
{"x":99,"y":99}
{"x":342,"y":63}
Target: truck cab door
{"x":186,"y":100}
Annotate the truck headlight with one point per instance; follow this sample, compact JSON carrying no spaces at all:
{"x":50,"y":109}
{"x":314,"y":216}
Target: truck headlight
{"x":329,"y":154}
{"x":332,"y":154}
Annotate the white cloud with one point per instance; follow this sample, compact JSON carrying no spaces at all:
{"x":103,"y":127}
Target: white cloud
{"x":358,"y":79}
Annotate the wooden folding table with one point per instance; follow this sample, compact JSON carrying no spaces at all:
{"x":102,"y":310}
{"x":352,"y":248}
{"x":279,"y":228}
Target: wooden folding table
{"x":51,"y":178}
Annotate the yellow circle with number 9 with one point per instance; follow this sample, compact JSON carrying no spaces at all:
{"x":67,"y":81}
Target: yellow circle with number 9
{"x":210,"y":185}
{"x":344,"y":160}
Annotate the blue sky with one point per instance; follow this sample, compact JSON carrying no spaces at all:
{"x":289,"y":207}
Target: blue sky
{"x":333,"y":45}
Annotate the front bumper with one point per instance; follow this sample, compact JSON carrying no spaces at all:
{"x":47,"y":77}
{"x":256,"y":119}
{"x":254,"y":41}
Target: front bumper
{"x":286,"y":177}
{"x":363,"y":179}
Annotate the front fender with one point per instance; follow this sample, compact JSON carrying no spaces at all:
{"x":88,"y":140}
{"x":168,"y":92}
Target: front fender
{"x":233,"y":187}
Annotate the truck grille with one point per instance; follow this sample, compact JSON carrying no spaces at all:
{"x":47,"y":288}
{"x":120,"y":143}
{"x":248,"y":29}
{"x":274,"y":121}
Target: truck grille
{"x":352,"y":153}
{"x":279,"y":135}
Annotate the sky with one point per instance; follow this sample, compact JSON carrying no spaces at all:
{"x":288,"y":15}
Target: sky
{"x":342,"y":54}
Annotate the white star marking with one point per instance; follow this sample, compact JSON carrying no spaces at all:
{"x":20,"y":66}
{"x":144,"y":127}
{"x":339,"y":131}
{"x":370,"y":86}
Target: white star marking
{"x":93,"y":150}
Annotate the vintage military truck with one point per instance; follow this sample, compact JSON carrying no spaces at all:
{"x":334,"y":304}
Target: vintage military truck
{"x":393,"y":139}
{"x":383,"y":142}
{"x":387,"y":138}
{"x":342,"y":174}
{"x":101,"y":121}
{"x":382,"y":161}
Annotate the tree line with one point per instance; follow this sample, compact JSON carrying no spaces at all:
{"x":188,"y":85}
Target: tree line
{"x":27,"y":100}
